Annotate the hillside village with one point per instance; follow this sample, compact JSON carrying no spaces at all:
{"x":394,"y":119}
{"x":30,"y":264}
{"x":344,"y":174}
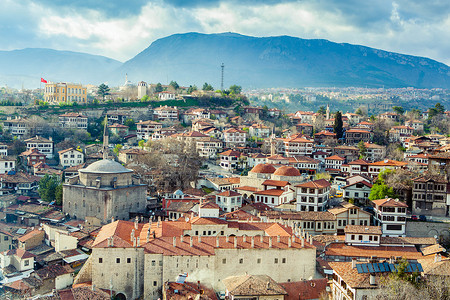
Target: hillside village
{"x":167,"y":200}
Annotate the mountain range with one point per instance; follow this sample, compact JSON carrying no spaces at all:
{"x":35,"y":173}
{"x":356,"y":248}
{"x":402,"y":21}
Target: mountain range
{"x":252,"y":62}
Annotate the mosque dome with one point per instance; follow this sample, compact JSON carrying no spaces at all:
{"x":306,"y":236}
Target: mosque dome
{"x":105,"y":166}
{"x":263,"y":168}
{"x":287,"y":171}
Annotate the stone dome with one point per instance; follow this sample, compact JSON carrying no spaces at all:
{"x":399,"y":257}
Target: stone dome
{"x":105,"y":166}
{"x":287,"y":171}
{"x":263,"y":168}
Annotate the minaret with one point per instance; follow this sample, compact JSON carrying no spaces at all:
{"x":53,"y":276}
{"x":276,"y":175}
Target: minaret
{"x":272,"y":144}
{"x":105,"y":139}
{"x":328,"y":111}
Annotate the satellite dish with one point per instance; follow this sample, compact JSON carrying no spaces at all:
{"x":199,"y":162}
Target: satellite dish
{"x":435,"y":236}
{"x":187,"y":219}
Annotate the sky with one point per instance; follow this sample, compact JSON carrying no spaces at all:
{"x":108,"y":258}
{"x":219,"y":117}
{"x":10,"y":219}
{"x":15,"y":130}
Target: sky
{"x":121,"y":29}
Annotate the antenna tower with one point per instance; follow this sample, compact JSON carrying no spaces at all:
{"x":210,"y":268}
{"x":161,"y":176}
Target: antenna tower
{"x":221,"y":79}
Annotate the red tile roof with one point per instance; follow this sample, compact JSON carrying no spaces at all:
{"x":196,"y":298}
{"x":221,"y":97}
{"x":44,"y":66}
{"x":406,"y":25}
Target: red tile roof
{"x":229,"y":194}
{"x":340,"y":249}
{"x":321,"y":183}
{"x":389,"y":202}
{"x":280,"y":183}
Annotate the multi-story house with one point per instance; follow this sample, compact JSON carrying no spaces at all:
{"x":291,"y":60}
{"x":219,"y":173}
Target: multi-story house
{"x":358,"y":191}
{"x":304,"y":128}
{"x":362,"y":235}
{"x":70,"y":157}
{"x":7,"y":164}
{"x":234,"y":137}
{"x":349,"y":214}
{"x":313,"y":195}
{"x":43,"y":145}
{"x":305,"y":164}
{"x":358,"y":167}
{"x":350,"y":153}
{"x":430,"y":195}
{"x":31,"y":157}
{"x":19,"y":182}
{"x":376,"y":167}
{"x":117,"y":117}
{"x":400,"y":133}
{"x":55,"y":93}
{"x":3,"y":149}
{"x":415,"y":124}
{"x":22,"y":127}
{"x":208,"y":147}
{"x":390,"y":214}
{"x":374,"y":152}
{"x":230,"y":159}
{"x":325,"y":138}
{"x":297,"y":145}
{"x":275,"y":196}
{"x":73,"y":120}
{"x":256,"y":159}
{"x":305,"y":116}
{"x":166,"y":95}
{"x":166,"y":113}
{"x":354,"y":136}
{"x":145,"y":129}
{"x":130,"y":155}
{"x":229,"y":201}
{"x":334,"y":162}
{"x":259,"y":131}
{"x":352,"y":117}
{"x":389,"y":116}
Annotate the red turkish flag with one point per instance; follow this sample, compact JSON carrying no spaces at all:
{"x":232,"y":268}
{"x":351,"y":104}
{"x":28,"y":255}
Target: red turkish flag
{"x":43,"y":80}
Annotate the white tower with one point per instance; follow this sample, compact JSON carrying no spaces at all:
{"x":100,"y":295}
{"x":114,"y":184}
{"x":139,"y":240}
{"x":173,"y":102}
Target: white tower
{"x":328,"y":111}
{"x":142,"y":89}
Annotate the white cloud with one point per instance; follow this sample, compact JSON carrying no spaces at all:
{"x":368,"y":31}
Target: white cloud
{"x":385,"y":25}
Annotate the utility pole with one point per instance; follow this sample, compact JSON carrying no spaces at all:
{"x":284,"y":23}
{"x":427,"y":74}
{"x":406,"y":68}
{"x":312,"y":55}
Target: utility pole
{"x":221,"y":79}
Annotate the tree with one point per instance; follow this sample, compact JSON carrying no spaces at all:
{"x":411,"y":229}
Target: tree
{"x":117,"y":149}
{"x":362,"y":149}
{"x":398,"y":109}
{"x":381,"y":191}
{"x":235,"y":89}
{"x":322,"y":110}
{"x":59,"y":195}
{"x":47,"y":187}
{"x":191,"y":89}
{"x":207,"y":87}
{"x":158,"y":88}
{"x":146,"y":98}
{"x":438,"y":109}
{"x":141,"y":144}
{"x":338,"y":125}
{"x":103,"y":90}
{"x":130,"y":123}
{"x":174,"y":85}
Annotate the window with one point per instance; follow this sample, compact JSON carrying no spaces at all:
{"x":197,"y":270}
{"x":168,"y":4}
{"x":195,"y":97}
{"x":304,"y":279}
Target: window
{"x":153,"y":263}
{"x":241,"y":260}
{"x":360,"y":237}
{"x":224,"y":260}
{"x":154,"y":283}
{"x":283,"y":260}
{"x":258,"y":261}
{"x":117,"y":260}
{"x":352,"y":237}
{"x":26,"y":262}
{"x":128,"y":260}
{"x":100,"y":260}
{"x":276,"y":260}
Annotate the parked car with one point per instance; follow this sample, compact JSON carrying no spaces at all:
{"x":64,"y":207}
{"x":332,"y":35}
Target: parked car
{"x":423,"y":218}
{"x":414,"y":218}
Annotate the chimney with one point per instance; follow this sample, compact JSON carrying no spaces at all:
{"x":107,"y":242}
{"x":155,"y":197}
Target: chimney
{"x":261,"y":238}
{"x":158,"y":224}
{"x":174,"y":241}
{"x":190,"y":241}
{"x":181,"y":238}
{"x":235,"y":242}
{"x":353,"y":263}
{"x":253,"y":242}
{"x":199,"y":239}
{"x":289,"y":242}
{"x":439,"y":257}
{"x":227,"y":239}
{"x":112,"y":242}
{"x":278,"y":238}
{"x":136,"y":223}
{"x":138,"y":242}
{"x":372,"y":279}
{"x":244,"y":238}
{"x":112,"y":219}
{"x":217,"y":242}
{"x":293,"y":238}
{"x":303,"y":243}
{"x":270,"y":242}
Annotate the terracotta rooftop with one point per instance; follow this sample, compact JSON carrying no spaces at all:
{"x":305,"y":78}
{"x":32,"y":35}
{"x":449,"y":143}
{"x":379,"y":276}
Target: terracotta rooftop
{"x":301,"y":215}
{"x":31,"y":235}
{"x":389,"y":202}
{"x":433,"y":249}
{"x":271,"y":192}
{"x":354,"y":279}
{"x":359,"y":229}
{"x":263,"y":168}
{"x":335,"y":157}
{"x":287,"y":171}
{"x":231,"y":153}
{"x":317,"y":184}
{"x":305,"y":289}
{"x":229,"y":194}
{"x":20,"y":253}
{"x":387,"y":252}
{"x":280,"y":183}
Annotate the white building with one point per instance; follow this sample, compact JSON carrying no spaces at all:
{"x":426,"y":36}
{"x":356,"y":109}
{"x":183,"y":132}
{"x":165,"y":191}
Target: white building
{"x":7,"y":164}
{"x":73,"y":120}
{"x":3,"y":150}
{"x":70,"y":157}
{"x":166,"y":95}
{"x":275,"y":197}
{"x":43,"y":145}
{"x":234,"y":137}
{"x":390,"y":214}
{"x":229,"y":159}
{"x":145,"y":129}
{"x":297,"y":146}
{"x":360,"y":235}
{"x":142,"y":89}
{"x":166,"y":113}
{"x":209,"y":147}
{"x":313,"y":195}
{"x":229,"y":201}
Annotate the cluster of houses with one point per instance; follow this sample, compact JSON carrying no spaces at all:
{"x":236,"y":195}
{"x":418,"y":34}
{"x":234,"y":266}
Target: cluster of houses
{"x":289,"y":217}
